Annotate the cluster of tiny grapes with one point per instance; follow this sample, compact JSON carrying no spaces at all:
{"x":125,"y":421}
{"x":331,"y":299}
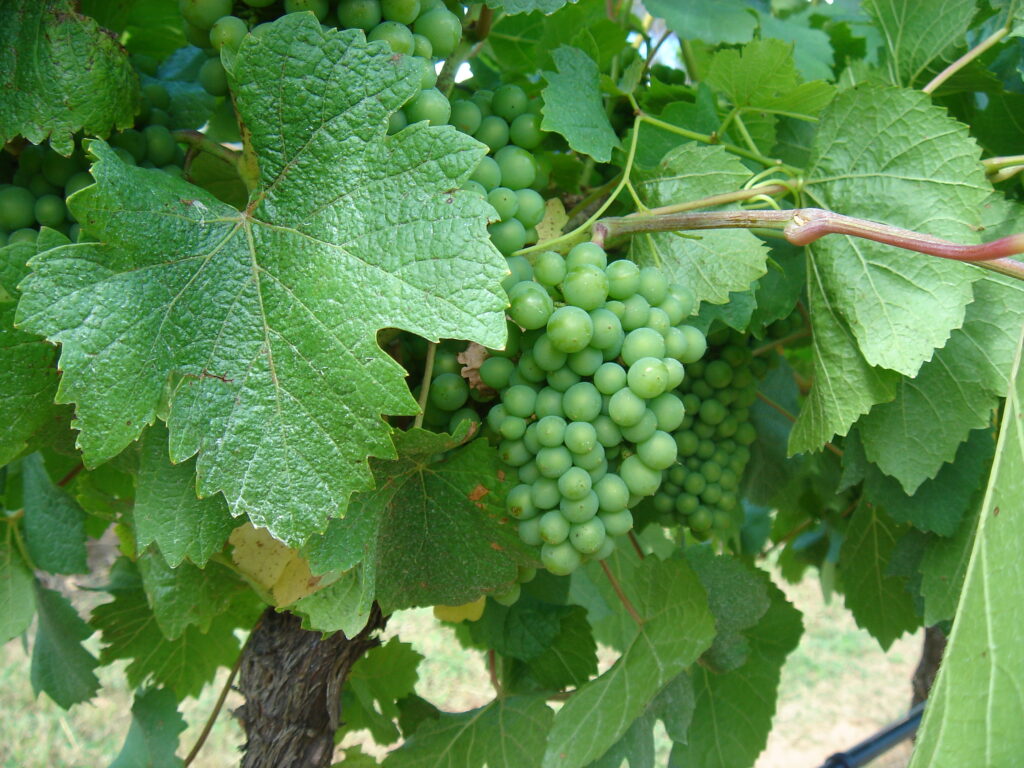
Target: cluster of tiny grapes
{"x":587,"y":411}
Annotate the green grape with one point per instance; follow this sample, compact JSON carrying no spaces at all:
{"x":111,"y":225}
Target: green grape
{"x":626,"y":409}
{"x":582,"y":402}
{"x":519,"y":400}
{"x":746,"y":434}
{"x":16,"y":208}
{"x":623,"y":279}
{"x":495,"y":372}
{"x":590,"y":460}
{"x":446,"y":361}
{"x":609,"y":378}
{"x":359,"y":14}
{"x":549,"y":403}
{"x":544,"y":493}
{"x":213,"y":78}
{"x":616,"y":523}
{"x":532,"y":445}
{"x":530,"y":306}
{"x":712,"y":494}
{"x":653,"y":285}
{"x":607,"y":329}
{"x":531,"y":207}
{"x":586,"y":361}
{"x":549,"y":268}
{"x":706,"y":449}
{"x":504,"y":201}
{"x":460,"y":417}
{"x":57,"y":169}
{"x":552,"y":462}
{"x":583,"y":254}
{"x":401,"y":11}
{"x":466,"y":116}
{"x":585,"y":286}
{"x":563,"y":379}
{"x":397,"y":122}
{"x":664,"y":502}
{"x":712,"y":471}
{"x":23,"y":235}
{"x":421,"y":47}
{"x":712,"y":412}
{"x":673,"y":309}
{"x":570,"y":329}
{"x":561,"y":559}
{"x":657,"y":320}
{"x":50,"y":211}
{"x":203,"y":13}
{"x":529,"y":532}
{"x":547,"y":357}
{"x":551,"y":431}
{"x":430,"y":105}
{"x":581,"y":437}
{"x":157,"y":95}
{"x":587,"y":537}
{"x":695,"y":483}
{"x":509,"y":102}
{"x":160,"y":146}
{"x":525,"y":574}
{"x":449,"y":392}
{"x":507,"y":236}
{"x":696,"y":345}
{"x":635,"y":311}
{"x":532,"y":235}
{"x":442,"y":28}
{"x":574,"y":483}
{"x":669,"y":411}
{"x":617,"y":308}
{"x":640,"y":343}
{"x":704,"y":430}
{"x":508,"y":596}
{"x":483,"y":99}
{"x":643,"y":429}
{"x":718,"y":374}
{"x":520,"y":271}
{"x":469,"y":186}
{"x":124,"y":155}
{"x":700,"y":520}
{"x":579,"y":510}
{"x":727,"y":428}
{"x":519,"y":504}
{"x":487,"y":174}
{"x":39,"y":186}
{"x":608,"y":432}
{"x":675,"y":343}
{"x":599,"y":471}
{"x":647,"y":377}
{"x":514,"y":452}
{"x":400,"y":39}
{"x":517,"y":167}
{"x":687,"y":504}
{"x":495,"y":416}
{"x":544,"y":168}
{"x":554,"y":528}
{"x":493,"y":132}
{"x":676,"y":372}
{"x":658,"y":451}
{"x":512,"y":428}
{"x":320,"y":8}
{"x":525,"y":131}
{"x":612,"y":493}
{"x":226,"y":32}
{"x":639,"y":478}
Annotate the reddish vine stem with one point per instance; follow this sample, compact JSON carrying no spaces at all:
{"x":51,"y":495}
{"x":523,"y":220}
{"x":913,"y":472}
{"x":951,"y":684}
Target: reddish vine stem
{"x":218,"y":705}
{"x":636,"y":545}
{"x":802,"y":226}
{"x":199,"y":142}
{"x":621,"y":595}
{"x":772,"y":404}
{"x":70,"y":475}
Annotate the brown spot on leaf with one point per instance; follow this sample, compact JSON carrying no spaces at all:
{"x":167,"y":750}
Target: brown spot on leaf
{"x":501,"y":475}
{"x":478,"y":493}
{"x":995,"y":512}
{"x":496,"y":546}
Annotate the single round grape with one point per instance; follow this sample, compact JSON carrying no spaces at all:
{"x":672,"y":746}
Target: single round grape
{"x":483,"y":99}
{"x":746,"y":434}
{"x":676,"y":345}
{"x":525,"y":574}
{"x":504,"y":201}
{"x":657,"y":320}
{"x":617,"y":523}
{"x":512,"y":428}
{"x":495,"y":416}
{"x":642,"y":342}
{"x":529,"y":471}
{"x":607,"y":328}
{"x":561,"y":559}
{"x":586,"y":361}
{"x":319,"y":8}
{"x":402,"y":11}
{"x":508,"y":596}
{"x":587,"y":254}
{"x":551,"y":431}
{"x":517,"y":167}
{"x":160,"y":146}
{"x":39,"y":186}
{"x":664,"y":502}
{"x":669,"y":411}
{"x":623,"y":279}
{"x":727,"y":428}
{"x":562,"y":379}
{"x":587,"y":537}
{"x":554,"y":528}
{"x":460,"y":417}
{"x":430,"y":105}
{"x":547,"y":357}
{"x":609,"y":378}
{"x":493,"y":132}
{"x":552,"y":462}
{"x":213,"y":78}
{"x":520,"y":270}
{"x":712,"y":494}
{"x":718,"y":374}
{"x":509,"y":102}
{"x":635,"y":311}
{"x":653,"y":285}
{"x":570,"y":329}
{"x":203,"y":13}
{"x":696,"y":344}
{"x":704,"y":430}
{"x":608,"y":432}
{"x":712,"y":412}
{"x":549,"y":403}
{"x":579,"y":510}
{"x":525,"y":131}
{"x":50,"y":211}
{"x":507,"y":236}
{"x":442,"y":28}
{"x":574,"y":483}
{"x":16,"y":208}
{"x":695,"y":483}
{"x":544,"y":493}
{"x":580,"y":437}
{"x":626,"y":408}
{"x":612,"y":493}
{"x":590,"y":460}
{"x":658,"y":451}
{"x":530,"y":305}
{"x":446,"y":361}
{"x":641,"y":479}
{"x":643,"y":429}
{"x":647,"y":377}
{"x":487,"y":174}
{"x":514,"y":452}
{"x":706,"y":449}
{"x":80,"y":180}
{"x":519,"y":504}
{"x":466,"y":116}
{"x":519,"y":400}
{"x":673,"y":309}
{"x":398,"y":37}
{"x":712,"y":471}
{"x":549,"y":268}
{"x":23,"y":235}
{"x":449,"y":392}
{"x":582,"y":402}
{"x":529,"y":532}
{"x":200,"y":37}
{"x":124,"y":156}
{"x":57,"y":169}
{"x":684,"y":295}
{"x":531,"y":207}
{"x":687,"y":504}
{"x":397,"y":122}
{"x":585,"y":286}
{"x":599,"y":471}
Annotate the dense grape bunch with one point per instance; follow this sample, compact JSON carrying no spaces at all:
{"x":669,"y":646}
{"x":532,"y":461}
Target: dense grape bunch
{"x":588,"y":407}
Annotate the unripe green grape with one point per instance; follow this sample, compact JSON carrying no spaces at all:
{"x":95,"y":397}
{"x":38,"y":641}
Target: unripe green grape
{"x":449,"y":392}
{"x":520,"y":270}
{"x":640,"y":343}
{"x":509,"y":102}
{"x":591,"y":460}
{"x":525,"y":574}
{"x":397,"y":122}
{"x":727,"y":428}
{"x":609,"y":378}
{"x":483,"y":99}
{"x":554,"y":528}
{"x":519,"y":504}
{"x":125,"y":156}
{"x":512,"y":428}
{"x":674,"y":309}
{"x":131,"y":140}
{"x":718,"y":374}
{"x":23,"y":235}
{"x":507,"y":596}
{"x":607,"y":328}
{"x":704,"y":430}
{"x":653,"y":285}
{"x":580,"y":437}
{"x":639,"y":478}
{"x":529,"y":471}
{"x":616,"y":523}
{"x":50,"y":211}
{"x":623,"y":279}
{"x":579,"y":510}
{"x":460,"y":417}
{"x":525,"y":131}
{"x":320,"y":8}
{"x":504,"y":201}
{"x":586,"y":361}
{"x":531,"y":306}
{"x":213,"y":78}
{"x":552,"y":462}
{"x":658,"y":451}
{"x":531,"y":207}
{"x":442,"y":28}
{"x":746,"y":434}
{"x":80,"y":180}
{"x":657,"y":320}
{"x":585,"y":286}
{"x":160,"y":146}
{"x":495,"y":372}
{"x":544,"y":493}
{"x":695,"y":483}
{"x":157,"y":95}
{"x":428,"y":75}
{"x":612,"y":493}
{"x":675,"y":343}
{"x":711,"y":470}
{"x":608,"y":432}
{"x":643,"y":429}
{"x":39,"y":186}
{"x":421,"y":47}
{"x":587,"y":537}
{"x":514,"y":452}
{"x":529,"y":532}
{"x":547,"y":356}
{"x":16,"y":208}
{"x":570,"y":329}
{"x":402,"y":11}
{"x":493,"y":132}
{"x":687,"y":504}
{"x":519,"y":400}
{"x":507,"y":236}
{"x":574,"y":483}
{"x":706,"y":449}
{"x":647,"y":377}
{"x":549,"y":268}
{"x":712,"y":494}
{"x":517,"y":167}
{"x":226,"y":32}
{"x":395,"y":35}
{"x":582,"y":402}
{"x":712,"y":412}
{"x":669,"y":411}
{"x":487,"y":174}
{"x":563,"y":379}
{"x":561,"y":559}
{"x":635,"y":311}
{"x":430,"y":105}
{"x":203,"y":13}
{"x":446,"y":361}
{"x":359,"y":14}
{"x":551,"y":431}
{"x":676,"y":372}
{"x":587,"y":254}
{"x":549,"y":403}
{"x":626,"y":409}
{"x":466,"y":116}
{"x":57,"y":169}
{"x":495,"y":416}
{"x":696,"y":345}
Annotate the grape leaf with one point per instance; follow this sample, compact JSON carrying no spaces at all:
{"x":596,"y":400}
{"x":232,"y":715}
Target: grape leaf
{"x":507,"y":733}
{"x":713,"y":262}
{"x":919,"y":167}
{"x":527,"y":6}
{"x":812,"y":48}
{"x":573,"y":105}
{"x":427,"y":515}
{"x":152,"y":737}
{"x":269,"y":315}
{"x":54,"y":524}
{"x":384,"y":675}
{"x":944,"y":566}
{"x":342,"y":606}
{"x":17,"y":597}
{"x":954,"y":393}
{"x":676,"y":628}
{"x":61,"y":667}
{"x":29,"y":383}
{"x":571,"y":658}
{"x":524,"y":42}
{"x":166,"y":508}
{"x":635,"y":748}
{"x":976,"y":700}
{"x":725,"y":21}
{"x":524,"y":630}
{"x":61,"y":73}
{"x":150,"y":27}
{"x":879,"y":601}
{"x":917,"y":32}
{"x":675,"y":705}
{"x":734,"y":710}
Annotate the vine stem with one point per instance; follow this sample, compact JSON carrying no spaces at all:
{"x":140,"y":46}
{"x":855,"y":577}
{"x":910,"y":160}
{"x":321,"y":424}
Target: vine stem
{"x":764,"y":349}
{"x":428,"y":373}
{"x":218,"y":705}
{"x":492,"y":670}
{"x":70,"y":475}
{"x":966,"y":59}
{"x":199,"y":142}
{"x":621,"y":595}
{"x":636,"y":545}
{"x":715,"y":200}
{"x":785,"y":412}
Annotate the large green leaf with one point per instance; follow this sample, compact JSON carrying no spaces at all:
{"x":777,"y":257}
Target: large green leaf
{"x":60,"y":73}
{"x":384,"y":675}
{"x":975,"y":704}
{"x":268,"y":315}
{"x":528,"y":6}
{"x":17,"y":597}
{"x":943,"y":568}
{"x":812,"y":48}
{"x":341,"y":606}
{"x":724,"y":21}
{"x":61,"y":667}
{"x":524,"y":42}
{"x":54,"y":524}
{"x":917,"y":32}
{"x":571,"y":658}
{"x":573,"y":105}
{"x":153,"y":735}
{"x":676,"y":628}
{"x":711,"y":263}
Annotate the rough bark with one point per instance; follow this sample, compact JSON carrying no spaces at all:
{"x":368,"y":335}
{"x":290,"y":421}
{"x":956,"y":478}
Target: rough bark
{"x":292,"y":679}
{"x":928,"y":667}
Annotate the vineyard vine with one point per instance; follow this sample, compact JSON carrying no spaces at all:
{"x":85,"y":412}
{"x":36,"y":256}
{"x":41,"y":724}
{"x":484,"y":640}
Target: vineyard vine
{"x":582,"y":322}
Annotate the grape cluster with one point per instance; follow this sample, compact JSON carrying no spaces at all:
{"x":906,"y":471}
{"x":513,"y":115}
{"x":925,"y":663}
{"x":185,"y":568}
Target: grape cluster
{"x":587,"y":409}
